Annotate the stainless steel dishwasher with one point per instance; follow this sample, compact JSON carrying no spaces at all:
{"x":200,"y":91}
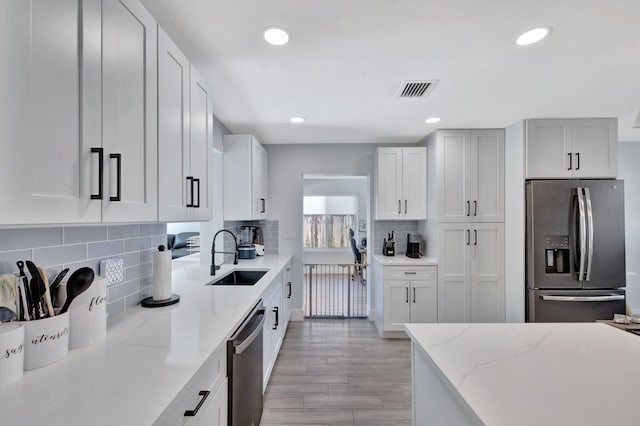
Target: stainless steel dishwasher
{"x":244,"y":370}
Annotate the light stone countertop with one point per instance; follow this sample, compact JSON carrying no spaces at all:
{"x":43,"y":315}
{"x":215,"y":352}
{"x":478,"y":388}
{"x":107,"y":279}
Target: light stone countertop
{"x":538,"y":374}
{"x":149,"y":355}
{"x":402,"y":260}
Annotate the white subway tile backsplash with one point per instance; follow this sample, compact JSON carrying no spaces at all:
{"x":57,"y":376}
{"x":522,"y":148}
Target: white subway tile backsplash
{"x":84,"y":234}
{"x":58,"y":255}
{"x":120,"y":232}
{"x":73,"y":247}
{"x":23,"y":238}
{"x":105,"y":248}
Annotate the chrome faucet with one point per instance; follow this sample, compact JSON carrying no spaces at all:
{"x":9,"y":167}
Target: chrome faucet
{"x":215,"y":267}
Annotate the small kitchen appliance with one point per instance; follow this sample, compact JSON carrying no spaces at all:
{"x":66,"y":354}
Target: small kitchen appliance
{"x":414,"y":245}
{"x":251,"y":242}
{"x":389,"y":245}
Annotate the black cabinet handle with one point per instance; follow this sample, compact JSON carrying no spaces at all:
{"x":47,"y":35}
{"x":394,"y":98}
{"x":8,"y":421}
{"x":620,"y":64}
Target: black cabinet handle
{"x":196,"y":205}
{"x":468,"y":237}
{"x":264,"y":205}
{"x":475,"y":237}
{"x":289,"y":291}
{"x":468,"y":208}
{"x":118,"y":158}
{"x":399,"y":206}
{"x":570,"y":161}
{"x":475,"y":208}
{"x":275,"y":311}
{"x":192,"y":413}
{"x":406,"y":289}
{"x":405,"y":206}
{"x":578,"y":158}
{"x":100,"y":152}
{"x":414,"y":295}
{"x":190,"y":180}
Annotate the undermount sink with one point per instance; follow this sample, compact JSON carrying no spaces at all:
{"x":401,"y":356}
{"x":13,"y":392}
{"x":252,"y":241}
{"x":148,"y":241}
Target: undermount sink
{"x":239,"y":278}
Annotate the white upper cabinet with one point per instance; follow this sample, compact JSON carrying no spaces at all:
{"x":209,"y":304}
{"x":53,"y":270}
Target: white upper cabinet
{"x":47,"y":170}
{"x":245,"y":178}
{"x":174,"y":192}
{"x":129,"y":112}
{"x":201,"y":138}
{"x":401,"y":184}
{"x":470,"y":186}
{"x":572,"y":148}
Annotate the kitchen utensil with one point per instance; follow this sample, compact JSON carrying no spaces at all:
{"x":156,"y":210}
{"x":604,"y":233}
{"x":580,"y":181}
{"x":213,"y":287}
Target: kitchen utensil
{"x":25,"y":307}
{"x":78,"y":283}
{"x":7,"y":298}
{"x":47,"y":293}
{"x":27,"y":289}
{"x":37,"y":289}
{"x":53,"y":288}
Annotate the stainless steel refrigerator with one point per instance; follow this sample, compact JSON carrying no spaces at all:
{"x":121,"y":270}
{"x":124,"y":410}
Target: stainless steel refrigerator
{"x":575,"y":256}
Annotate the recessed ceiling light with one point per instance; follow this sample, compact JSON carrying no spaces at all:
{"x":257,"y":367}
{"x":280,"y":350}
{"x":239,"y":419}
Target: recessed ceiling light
{"x":533,"y":36}
{"x":297,"y":120}
{"x":433,"y":120}
{"x":276,"y":36}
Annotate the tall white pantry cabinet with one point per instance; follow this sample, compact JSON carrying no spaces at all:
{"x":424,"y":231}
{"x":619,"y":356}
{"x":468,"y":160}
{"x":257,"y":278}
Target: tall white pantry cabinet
{"x":467,"y":202}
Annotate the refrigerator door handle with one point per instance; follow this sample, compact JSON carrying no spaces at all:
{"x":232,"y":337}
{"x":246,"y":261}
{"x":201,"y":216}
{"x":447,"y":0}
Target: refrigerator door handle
{"x":583,"y":236}
{"x":608,"y":298}
{"x":589,"y":232}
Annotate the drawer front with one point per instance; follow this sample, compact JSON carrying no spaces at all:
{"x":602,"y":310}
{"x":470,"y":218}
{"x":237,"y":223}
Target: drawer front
{"x":208,"y":378}
{"x":411,"y":272}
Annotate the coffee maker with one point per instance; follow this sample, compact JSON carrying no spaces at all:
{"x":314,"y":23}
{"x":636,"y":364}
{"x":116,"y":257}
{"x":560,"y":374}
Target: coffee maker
{"x":414,"y":245}
{"x":251,"y":242}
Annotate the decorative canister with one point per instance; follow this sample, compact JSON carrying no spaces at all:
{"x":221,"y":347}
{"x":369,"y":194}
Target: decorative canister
{"x":11,"y":352}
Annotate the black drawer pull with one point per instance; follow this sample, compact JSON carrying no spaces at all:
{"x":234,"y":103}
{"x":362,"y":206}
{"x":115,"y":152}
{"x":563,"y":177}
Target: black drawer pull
{"x":118,"y":158}
{"x":191,"y":413}
{"x":275,"y":311}
{"x":197,"y":205}
{"x":289,"y":292}
{"x":190,"y":180}
{"x":100,"y":152}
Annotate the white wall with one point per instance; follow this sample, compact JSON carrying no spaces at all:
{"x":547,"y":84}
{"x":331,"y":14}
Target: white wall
{"x":176,"y":228}
{"x":514,"y":222}
{"x":287,"y":165}
{"x":628,"y":155}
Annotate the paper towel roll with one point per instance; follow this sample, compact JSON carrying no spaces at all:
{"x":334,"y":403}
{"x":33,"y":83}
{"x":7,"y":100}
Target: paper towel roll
{"x":162,"y":274}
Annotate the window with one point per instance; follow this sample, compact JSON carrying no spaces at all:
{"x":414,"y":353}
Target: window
{"x":327,"y":220}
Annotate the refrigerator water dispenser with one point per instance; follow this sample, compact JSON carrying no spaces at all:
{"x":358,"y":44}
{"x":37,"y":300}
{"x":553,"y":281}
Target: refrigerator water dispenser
{"x":557,"y":254}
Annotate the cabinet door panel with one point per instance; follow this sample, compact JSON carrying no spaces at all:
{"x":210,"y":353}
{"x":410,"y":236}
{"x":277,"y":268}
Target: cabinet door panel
{"x":129,"y":71}
{"x":487,"y":282}
{"x":488,"y":176}
{"x":454,"y":163}
{"x":396,"y":305}
{"x":46,"y":167}
{"x":389,"y":184}
{"x":424,"y":301}
{"x":414,"y":183}
{"x":173,"y":131}
{"x":548,"y":145}
{"x":259,"y":184}
{"x":201,"y":122}
{"x":454,"y":275}
{"x":596,"y":141}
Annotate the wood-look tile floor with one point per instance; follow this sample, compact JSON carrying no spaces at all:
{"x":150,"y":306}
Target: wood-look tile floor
{"x":339,"y":372}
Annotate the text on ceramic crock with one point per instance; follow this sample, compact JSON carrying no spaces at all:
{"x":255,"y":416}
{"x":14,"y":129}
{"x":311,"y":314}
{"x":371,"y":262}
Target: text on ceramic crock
{"x":47,"y":337}
{"x":12,"y":351}
{"x":95,"y":301}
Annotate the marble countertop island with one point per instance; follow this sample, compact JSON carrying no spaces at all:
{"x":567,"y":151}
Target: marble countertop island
{"x":525,"y":374}
{"x":147,"y":358}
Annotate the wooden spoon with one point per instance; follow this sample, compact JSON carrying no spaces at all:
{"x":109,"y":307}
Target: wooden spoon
{"x":47,"y":293}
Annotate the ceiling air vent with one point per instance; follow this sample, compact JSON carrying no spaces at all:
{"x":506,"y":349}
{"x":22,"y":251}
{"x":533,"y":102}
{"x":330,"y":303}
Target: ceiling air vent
{"x":416,"y":88}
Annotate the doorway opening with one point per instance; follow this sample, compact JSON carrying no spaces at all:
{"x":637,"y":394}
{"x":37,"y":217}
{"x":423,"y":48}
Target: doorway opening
{"x":335,"y":234}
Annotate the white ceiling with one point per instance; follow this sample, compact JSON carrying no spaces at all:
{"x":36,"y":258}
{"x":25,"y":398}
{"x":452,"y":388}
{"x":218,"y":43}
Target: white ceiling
{"x":347,"y":58}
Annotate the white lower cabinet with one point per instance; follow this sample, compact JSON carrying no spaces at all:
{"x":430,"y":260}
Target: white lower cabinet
{"x":287,"y":292}
{"x":471,"y":272}
{"x":207,"y":390}
{"x":410,"y":295}
{"x":273,"y":331}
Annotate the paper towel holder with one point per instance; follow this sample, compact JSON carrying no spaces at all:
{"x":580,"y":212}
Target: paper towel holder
{"x":148,"y":302}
